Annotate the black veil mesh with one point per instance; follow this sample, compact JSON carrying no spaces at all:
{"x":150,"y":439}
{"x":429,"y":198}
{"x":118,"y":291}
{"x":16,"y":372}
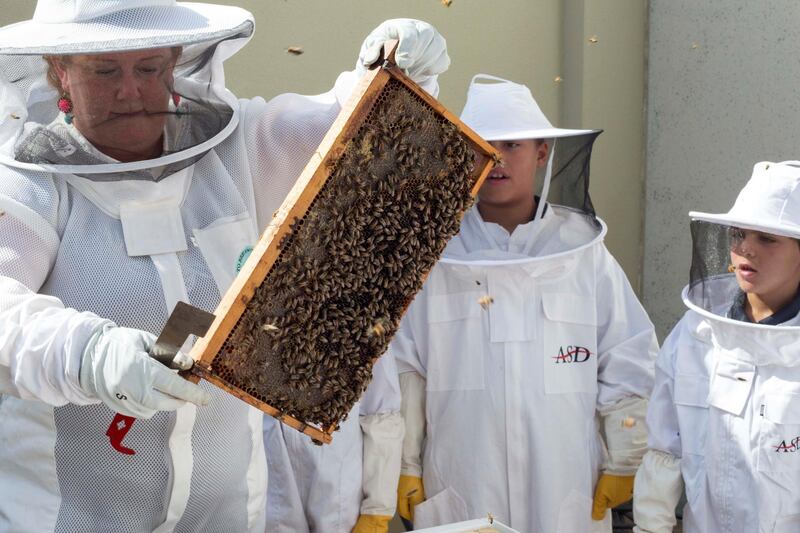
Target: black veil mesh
{"x":569,"y":185}
{"x":712,"y":282}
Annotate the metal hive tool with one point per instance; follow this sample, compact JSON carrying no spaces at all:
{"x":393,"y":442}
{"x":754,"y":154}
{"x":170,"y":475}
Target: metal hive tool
{"x":323,"y":292}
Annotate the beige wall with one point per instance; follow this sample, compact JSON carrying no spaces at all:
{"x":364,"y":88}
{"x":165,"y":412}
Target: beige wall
{"x":517,"y":40}
{"x":604,"y":87}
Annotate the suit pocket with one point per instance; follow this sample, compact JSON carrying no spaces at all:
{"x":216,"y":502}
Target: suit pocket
{"x":223,"y":243}
{"x":569,"y":349}
{"x":779,"y":439}
{"x":456,"y":343}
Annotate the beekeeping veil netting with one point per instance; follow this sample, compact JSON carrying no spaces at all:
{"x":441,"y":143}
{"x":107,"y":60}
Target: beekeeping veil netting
{"x":769,"y":203}
{"x":192,"y":104}
{"x":501,"y":110}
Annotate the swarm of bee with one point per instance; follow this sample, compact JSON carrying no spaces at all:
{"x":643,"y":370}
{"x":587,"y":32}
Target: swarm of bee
{"x":347,"y":270}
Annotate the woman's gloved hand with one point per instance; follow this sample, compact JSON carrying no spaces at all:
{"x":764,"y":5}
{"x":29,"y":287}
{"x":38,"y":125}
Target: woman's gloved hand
{"x":372,"y":523}
{"x":421,"y":52}
{"x":610,"y":492}
{"x":116,"y":368}
{"x":410,"y":492}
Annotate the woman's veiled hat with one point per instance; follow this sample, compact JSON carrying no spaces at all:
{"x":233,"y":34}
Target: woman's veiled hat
{"x":61,"y":27}
{"x":207,"y":35}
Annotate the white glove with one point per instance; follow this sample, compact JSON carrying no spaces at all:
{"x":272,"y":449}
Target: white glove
{"x":656,"y":492}
{"x":421,"y":53}
{"x":116,"y":368}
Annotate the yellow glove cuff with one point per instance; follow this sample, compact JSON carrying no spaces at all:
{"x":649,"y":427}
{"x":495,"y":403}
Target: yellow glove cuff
{"x":410,"y":492}
{"x":611,"y":491}
{"x":372,"y":523}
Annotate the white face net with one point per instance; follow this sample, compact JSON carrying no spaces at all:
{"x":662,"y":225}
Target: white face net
{"x":141,"y":102}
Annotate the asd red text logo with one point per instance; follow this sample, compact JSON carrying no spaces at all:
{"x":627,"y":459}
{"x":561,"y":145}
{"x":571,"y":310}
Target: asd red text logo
{"x":788,"y":447}
{"x":572,"y":354}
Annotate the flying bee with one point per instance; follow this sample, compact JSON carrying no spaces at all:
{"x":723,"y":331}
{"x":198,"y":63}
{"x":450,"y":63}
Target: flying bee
{"x":485,"y":301}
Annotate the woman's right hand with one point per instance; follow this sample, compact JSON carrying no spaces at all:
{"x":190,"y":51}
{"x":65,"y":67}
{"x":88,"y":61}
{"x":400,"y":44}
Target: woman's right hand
{"x":117,"y":370}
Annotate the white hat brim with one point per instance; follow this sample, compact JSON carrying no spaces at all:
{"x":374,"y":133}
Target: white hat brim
{"x":548,"y":133}
{"x":724,"y":219}
{"x":182,"y":24}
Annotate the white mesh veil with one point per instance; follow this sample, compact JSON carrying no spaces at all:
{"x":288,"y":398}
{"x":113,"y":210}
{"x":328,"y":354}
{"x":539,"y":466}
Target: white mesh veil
{"x":191,"y":107}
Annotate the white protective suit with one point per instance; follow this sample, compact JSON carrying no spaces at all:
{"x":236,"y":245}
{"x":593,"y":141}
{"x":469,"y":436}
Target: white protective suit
{"x":513,"y":387}
{"x":196,"y":469}
{"x":726,"y":406}
{"x":77,"y":253}
{"x":322,"y":488}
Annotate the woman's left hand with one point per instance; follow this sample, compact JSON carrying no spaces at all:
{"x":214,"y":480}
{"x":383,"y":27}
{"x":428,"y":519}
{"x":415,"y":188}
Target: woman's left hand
{"x":421,"y":53}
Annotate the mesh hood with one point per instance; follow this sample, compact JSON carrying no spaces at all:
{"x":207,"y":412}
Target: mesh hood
{"x":190,"y":109}
{"x":713,"y":289}
{"x":713,"y":292}
{"x":712,"y":283}
{"x":569,"y":179}
{"x":501,"y":110}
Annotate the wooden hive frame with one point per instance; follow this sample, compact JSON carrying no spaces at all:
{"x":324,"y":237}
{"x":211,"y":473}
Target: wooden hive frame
{"x":265,"y":253}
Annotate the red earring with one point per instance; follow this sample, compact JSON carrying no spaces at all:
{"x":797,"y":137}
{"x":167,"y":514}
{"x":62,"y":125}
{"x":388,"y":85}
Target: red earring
{"x":65,"y":106}
{"x":176,"y":99}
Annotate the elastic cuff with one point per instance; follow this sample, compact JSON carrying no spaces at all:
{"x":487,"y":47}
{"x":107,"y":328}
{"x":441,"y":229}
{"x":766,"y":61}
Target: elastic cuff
{"x":411,"y":470}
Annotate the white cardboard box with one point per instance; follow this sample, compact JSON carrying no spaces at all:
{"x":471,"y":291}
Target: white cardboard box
{"x":468,"y":527}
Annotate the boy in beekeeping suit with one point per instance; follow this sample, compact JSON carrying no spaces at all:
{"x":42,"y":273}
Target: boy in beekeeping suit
{"x":724,"y":416}
{"x":526,"y":360}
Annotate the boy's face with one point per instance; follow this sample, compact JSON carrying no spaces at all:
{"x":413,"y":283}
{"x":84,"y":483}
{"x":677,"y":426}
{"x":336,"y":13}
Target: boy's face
{"x":766,"y":265}
{"x":513,"y":182}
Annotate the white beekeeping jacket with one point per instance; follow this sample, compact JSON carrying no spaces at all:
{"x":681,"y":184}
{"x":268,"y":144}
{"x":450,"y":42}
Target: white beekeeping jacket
{"x":522,"y":340}
{"x":726,"y":404}
{"x":77,"y":251}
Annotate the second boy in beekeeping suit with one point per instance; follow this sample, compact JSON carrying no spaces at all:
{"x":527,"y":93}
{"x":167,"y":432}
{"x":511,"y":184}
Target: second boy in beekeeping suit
{"x":724,"y":413}
{"x":526,"y":361}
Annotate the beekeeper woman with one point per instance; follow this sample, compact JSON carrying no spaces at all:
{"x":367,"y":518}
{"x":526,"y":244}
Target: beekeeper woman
{"x":526,"y":357}
{"x":131,"y":179}
{"x":725,"y":412}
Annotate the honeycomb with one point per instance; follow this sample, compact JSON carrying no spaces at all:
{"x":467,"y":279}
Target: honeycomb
{"x":349,"y":267}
